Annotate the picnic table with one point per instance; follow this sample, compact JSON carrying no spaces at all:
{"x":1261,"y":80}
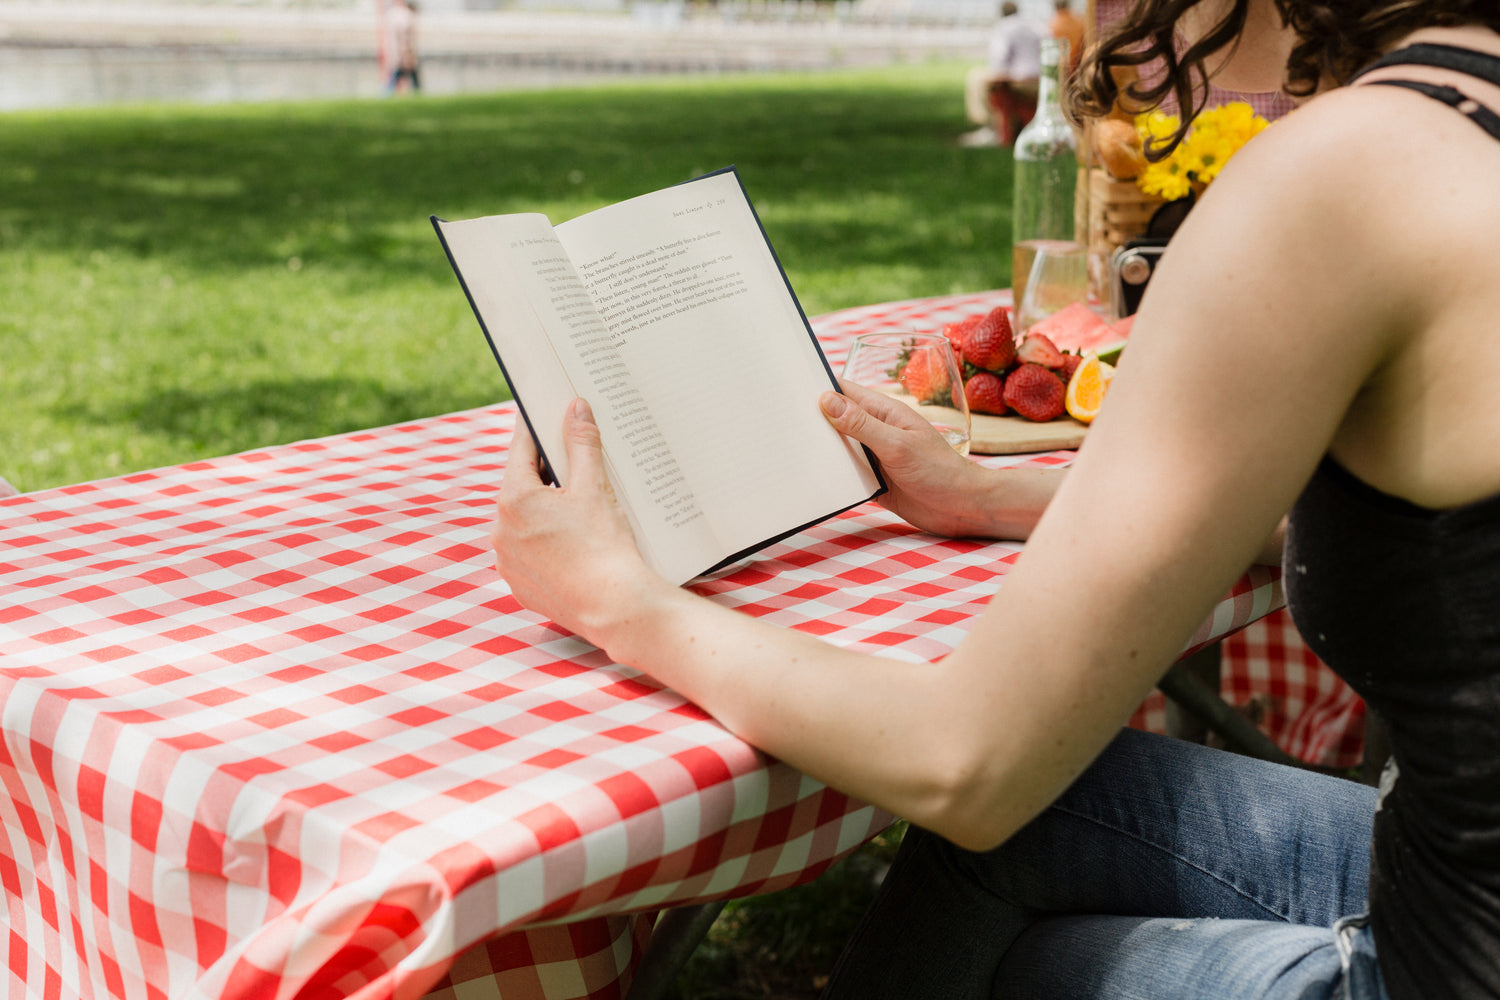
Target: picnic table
{"x":273,"y":726}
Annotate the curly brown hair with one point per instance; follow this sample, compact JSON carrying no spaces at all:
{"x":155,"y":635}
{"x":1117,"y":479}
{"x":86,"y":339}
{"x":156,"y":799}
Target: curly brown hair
{"x":1335,"y":38}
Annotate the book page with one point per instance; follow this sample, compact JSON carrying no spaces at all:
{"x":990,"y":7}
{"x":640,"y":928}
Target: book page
{"x":698,"y":308}
{"x":553,"y":346}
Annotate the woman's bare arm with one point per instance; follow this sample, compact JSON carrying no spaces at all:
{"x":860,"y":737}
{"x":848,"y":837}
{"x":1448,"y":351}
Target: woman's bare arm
{"x":1254,"y":338}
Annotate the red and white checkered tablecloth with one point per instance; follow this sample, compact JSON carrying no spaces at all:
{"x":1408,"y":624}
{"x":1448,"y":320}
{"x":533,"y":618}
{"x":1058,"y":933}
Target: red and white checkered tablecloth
{"x":273,"y":728}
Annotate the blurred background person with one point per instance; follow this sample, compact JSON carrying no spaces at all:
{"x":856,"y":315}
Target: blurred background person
{"x":1000,"y":96}
{"x":401,"y":25}
{"x":1068,"y":27}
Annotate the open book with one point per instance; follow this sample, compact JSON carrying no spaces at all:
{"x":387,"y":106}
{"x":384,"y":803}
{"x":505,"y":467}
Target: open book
{"x":671,"y":315}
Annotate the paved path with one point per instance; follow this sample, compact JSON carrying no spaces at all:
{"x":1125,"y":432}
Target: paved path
{"x":68,"y":53}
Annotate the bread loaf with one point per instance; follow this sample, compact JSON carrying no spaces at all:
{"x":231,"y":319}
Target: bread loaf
{"x":1117,"y":147}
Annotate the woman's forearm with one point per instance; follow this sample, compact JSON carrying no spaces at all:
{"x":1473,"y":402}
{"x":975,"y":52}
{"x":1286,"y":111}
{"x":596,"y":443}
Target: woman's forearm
{"x":970,"y":501}
{"x":1010,"y":502}
{"x":863,"y":724}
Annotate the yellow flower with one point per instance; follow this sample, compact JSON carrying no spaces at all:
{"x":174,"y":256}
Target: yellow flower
{"x":1166,"y":179}
{"x":1215,"y":136}
{"x":1203,"y":153}
{"x":1239,"y":120}
{"x":1155,"y":127}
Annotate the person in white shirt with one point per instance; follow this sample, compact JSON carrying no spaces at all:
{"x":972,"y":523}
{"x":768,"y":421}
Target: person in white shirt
{"x":1000,"y":96}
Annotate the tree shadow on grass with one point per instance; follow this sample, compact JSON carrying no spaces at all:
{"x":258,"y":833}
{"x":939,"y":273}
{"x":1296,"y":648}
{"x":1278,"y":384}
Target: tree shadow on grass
{"x":227,"y":419}
{"x":224,"y":189}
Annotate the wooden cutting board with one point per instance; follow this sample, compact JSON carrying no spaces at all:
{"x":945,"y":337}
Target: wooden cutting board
{"x":991,"y":435}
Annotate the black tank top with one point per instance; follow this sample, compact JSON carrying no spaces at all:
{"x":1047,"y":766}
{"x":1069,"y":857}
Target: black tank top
{"x":1403,"y":602}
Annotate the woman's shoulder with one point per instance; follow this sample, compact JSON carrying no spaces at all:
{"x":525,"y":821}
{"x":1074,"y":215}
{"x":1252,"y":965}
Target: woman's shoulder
{"x":1358,"y":131}
{"x":1312,"y":177}
{"x":1379,"y":160}
{"x":1353,"y":207}
{"x":1371,"y":128}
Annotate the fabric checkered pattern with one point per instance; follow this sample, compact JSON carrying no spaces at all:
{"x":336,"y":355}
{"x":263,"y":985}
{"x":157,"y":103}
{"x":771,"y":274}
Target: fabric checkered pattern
{"x":1279,"y":683}
{"x":583,"y":959}
{"x":274,"y":728}
{"x":1267,"y":672}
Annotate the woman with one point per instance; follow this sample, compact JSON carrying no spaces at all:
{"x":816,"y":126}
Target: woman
{"x":1328,"y":319}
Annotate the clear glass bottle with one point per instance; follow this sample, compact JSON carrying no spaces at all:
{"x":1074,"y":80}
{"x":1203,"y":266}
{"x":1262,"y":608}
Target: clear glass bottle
{"x":1046,"y":172}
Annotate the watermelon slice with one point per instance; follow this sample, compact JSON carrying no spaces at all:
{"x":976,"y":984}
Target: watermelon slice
{"x":1079,"y":329}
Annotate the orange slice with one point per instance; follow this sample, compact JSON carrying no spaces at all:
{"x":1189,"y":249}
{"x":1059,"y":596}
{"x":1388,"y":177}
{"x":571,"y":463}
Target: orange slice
{"x":1087,"y":387}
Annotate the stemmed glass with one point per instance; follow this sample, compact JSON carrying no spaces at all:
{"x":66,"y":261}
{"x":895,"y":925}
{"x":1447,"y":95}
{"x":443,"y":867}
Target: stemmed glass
{"x":920,"y":370}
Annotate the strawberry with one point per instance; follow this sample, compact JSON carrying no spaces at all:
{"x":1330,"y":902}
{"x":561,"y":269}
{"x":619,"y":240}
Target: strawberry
{"x":1035,"y":393}
{"x":922,"y":378}
{"x":985,"y":393}
{"x":989,"y":344}
{"x":956,"y":332}
{"x":1069,"y":366}
{"x":1037,"y":349}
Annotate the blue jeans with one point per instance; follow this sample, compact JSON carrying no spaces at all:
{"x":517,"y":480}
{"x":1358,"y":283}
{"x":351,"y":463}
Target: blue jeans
{"x":1168,"y":870}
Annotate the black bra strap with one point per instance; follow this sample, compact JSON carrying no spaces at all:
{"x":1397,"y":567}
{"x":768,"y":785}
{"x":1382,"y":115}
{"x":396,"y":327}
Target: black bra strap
{"x":1478,"y":64}
{"x":1456,"y":99}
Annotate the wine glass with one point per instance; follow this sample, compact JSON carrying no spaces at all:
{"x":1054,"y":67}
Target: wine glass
{"x":920,"y":370}
{"x":1056,"y":275}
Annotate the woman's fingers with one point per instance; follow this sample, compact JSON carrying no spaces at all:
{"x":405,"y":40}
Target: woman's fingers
{"x":585,"y":450}
{"x":883,"y":407}
{"x":850,"y":418}
{"x":927,"y":479}
{"x":580,"y":438}
{"x":522,"y":465}
{"x":887,"y":427}
{"x":548,"y":542}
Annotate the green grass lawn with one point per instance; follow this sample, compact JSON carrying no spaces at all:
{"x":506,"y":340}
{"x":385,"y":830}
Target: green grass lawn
{"x":184,"y":282}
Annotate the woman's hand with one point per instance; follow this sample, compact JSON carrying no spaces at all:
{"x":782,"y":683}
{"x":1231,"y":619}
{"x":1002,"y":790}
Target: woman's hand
{"x":931,"y":486}
{"x":567,"y":553}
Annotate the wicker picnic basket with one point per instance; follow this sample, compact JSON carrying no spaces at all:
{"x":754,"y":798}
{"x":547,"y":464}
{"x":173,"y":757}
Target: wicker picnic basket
{"x":1118,"y":211}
